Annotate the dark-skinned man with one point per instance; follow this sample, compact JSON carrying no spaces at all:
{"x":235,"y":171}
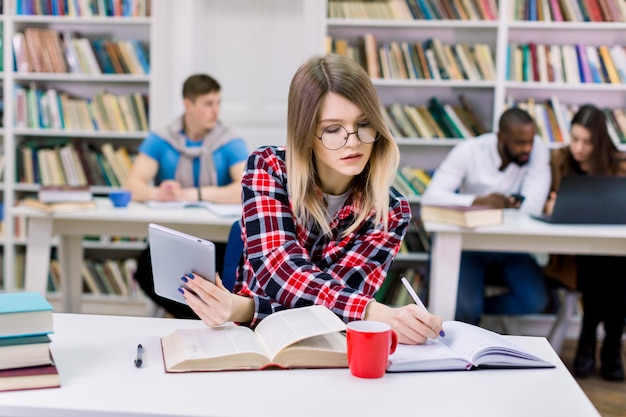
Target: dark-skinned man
{"x":495,"y":170}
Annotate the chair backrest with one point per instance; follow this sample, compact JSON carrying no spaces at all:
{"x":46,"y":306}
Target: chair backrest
{"x":232,"y":256}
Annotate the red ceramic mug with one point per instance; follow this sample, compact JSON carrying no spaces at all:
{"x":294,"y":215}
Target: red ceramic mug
{"x":369,"y":345}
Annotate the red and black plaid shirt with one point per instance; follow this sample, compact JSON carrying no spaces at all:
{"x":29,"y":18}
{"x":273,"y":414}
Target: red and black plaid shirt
{"x":290,"y":265}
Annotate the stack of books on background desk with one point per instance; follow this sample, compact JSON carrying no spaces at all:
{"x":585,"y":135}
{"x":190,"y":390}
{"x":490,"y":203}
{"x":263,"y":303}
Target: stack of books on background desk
{"x":25,"y":358}
{"x":463,"y":216}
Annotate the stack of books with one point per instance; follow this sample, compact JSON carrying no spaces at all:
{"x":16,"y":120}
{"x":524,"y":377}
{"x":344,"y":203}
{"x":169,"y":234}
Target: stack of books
{"x":25,"y":358}
{"x":470,"y":216}
{"x":61,"y":198}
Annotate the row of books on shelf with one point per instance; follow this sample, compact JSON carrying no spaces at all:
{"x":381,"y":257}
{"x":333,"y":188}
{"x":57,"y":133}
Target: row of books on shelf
{"x":25,"y":358}
{"x":75,"y":163}
{"x":102,"y":277}
{"x":569,"y":10}
{"x":410,"y":181}
{"x":434,"y":120}
{"x":393,"y":293}
{"x":552,"y":119}
{"x":428,"y":60}
{"x":51,"y":109}
{"x":570,"y":64}
{"x":84,"y":8}
{"x":49,"y":50}
{"x":414,"y":9}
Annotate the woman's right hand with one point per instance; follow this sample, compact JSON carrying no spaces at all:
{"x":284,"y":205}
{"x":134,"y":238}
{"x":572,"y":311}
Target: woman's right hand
{"x":413,"y":324}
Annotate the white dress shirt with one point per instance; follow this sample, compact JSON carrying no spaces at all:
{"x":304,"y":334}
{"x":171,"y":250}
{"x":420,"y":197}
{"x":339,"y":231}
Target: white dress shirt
{"x":472,"y":168}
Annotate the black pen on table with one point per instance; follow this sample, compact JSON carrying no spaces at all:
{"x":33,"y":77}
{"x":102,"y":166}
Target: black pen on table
{"x":139,"y":359}
{"x":415,"y":297}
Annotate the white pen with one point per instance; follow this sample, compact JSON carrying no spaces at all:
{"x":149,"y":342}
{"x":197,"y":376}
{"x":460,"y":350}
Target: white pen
{"x":416,"y":298}
{"x":412,"y":292}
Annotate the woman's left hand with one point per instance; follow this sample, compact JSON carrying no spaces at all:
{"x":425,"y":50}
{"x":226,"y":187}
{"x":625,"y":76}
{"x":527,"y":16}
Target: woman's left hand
{"x":213,"y":303}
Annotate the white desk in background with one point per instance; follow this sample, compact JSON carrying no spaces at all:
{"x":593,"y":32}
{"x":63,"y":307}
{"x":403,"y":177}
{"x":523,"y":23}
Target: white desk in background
{"x":517,"y":233}
{"x":94,"y":355}
{"x":72,"y":226}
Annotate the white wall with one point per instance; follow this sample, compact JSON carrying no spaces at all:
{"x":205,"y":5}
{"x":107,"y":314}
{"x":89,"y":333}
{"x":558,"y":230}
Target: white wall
{"x":251,"y":47}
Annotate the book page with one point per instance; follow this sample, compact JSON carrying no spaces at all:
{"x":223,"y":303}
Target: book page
{"x":209,"y":342}
{"x":222,"y":210}
{"x":430,"y":356}
{"x":166,"y":205}
{"x":286,"y":327}
{"x":484,"y":347}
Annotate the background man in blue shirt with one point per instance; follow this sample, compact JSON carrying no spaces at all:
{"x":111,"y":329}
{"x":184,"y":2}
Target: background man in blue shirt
{"x":194,"y":158}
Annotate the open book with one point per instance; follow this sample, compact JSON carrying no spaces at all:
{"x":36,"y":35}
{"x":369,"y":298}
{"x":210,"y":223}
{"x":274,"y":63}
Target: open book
{"x":306,"y":337}
{"x":222,"y":210}
{"x":464,"y":347}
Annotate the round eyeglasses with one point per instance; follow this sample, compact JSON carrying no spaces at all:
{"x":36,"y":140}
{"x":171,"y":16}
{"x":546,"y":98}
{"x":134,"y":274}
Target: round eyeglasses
{"x":334,"y":137}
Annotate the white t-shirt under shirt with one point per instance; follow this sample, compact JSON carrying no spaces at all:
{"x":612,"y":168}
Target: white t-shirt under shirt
{"x":472,"y":168}
{"x":334,"y":203}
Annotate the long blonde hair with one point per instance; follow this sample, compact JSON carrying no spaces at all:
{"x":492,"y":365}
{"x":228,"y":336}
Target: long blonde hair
{"x":370,"y":189}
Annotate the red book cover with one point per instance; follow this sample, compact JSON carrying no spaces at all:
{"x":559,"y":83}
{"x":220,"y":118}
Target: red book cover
{"x":595,"y":14}
{"x":33,"y":377}
{"x":533,"y":57}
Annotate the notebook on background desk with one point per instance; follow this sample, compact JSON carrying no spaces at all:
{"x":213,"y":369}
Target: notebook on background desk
{"x":589,"y":200}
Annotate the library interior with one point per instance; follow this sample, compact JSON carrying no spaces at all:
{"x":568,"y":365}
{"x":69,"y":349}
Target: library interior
{"x":85,"y":82}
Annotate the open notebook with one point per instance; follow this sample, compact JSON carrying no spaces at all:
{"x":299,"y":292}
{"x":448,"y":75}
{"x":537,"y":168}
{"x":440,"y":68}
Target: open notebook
{"x":222,"y":210}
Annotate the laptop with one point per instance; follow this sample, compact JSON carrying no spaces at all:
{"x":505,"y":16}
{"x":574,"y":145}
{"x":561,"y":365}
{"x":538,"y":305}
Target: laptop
{"x":589,"y":200}
{"x":174,"y":254}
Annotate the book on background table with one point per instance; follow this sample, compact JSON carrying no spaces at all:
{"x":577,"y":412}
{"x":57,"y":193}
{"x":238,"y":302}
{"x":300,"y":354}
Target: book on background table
{"x":64,"y":194}
{"x":31,"y":377}
{"x":22,"y":351}
{"x":24,"y":314}
{"x":464,"y":347}
{"x":305,"y":337}
{"x":219,"y":209}
{"x":60,"y":206}
{"x":464,"y":216}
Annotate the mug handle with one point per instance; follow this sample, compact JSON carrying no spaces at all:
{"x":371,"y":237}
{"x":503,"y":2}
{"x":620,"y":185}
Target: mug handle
{"x":394,"y":342}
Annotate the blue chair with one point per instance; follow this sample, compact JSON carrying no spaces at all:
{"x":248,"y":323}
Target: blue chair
{"x":232,"y":256}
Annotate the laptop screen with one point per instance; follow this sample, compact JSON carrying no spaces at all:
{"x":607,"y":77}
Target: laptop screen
{"x":591,"y":200}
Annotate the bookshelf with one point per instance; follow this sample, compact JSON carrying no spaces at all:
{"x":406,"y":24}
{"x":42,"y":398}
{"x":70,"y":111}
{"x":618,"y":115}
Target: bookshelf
{"x":489,"y":97}
{"x":129,"y":24}
{"x":385,"y":21}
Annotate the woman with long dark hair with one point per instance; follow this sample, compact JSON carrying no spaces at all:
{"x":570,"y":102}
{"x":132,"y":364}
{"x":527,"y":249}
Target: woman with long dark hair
{"x":601,"y":279}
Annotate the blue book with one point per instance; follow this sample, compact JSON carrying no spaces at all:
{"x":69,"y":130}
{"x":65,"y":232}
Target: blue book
{"x":24,"y":314}
{"x":428,"y":14}
{"x":103,"y":56}
{"x":142,"y":55}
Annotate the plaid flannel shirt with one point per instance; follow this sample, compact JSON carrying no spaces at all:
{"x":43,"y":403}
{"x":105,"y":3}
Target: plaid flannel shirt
{"x":290,"y":265}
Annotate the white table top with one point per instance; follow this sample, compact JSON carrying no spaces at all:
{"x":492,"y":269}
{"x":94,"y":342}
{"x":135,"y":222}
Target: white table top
{"x":134,"y":212}
{"x":95,"y":357}
{"x":520,"y":224}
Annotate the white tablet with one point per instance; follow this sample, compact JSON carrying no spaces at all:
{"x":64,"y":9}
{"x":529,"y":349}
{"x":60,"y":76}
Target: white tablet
{"x":175,"y":254}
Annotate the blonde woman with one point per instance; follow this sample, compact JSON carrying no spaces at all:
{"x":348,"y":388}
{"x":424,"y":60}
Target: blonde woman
{"x":321,"y":222}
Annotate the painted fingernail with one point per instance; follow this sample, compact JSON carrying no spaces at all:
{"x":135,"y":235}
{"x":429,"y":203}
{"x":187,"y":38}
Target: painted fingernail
{"x":184,"y":279}
{"x":190,"y":275}
{"x":180,"y":290}
{"x":442,"y":333}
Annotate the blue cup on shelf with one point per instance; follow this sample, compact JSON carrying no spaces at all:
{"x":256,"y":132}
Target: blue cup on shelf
{"x":120,"y":198}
